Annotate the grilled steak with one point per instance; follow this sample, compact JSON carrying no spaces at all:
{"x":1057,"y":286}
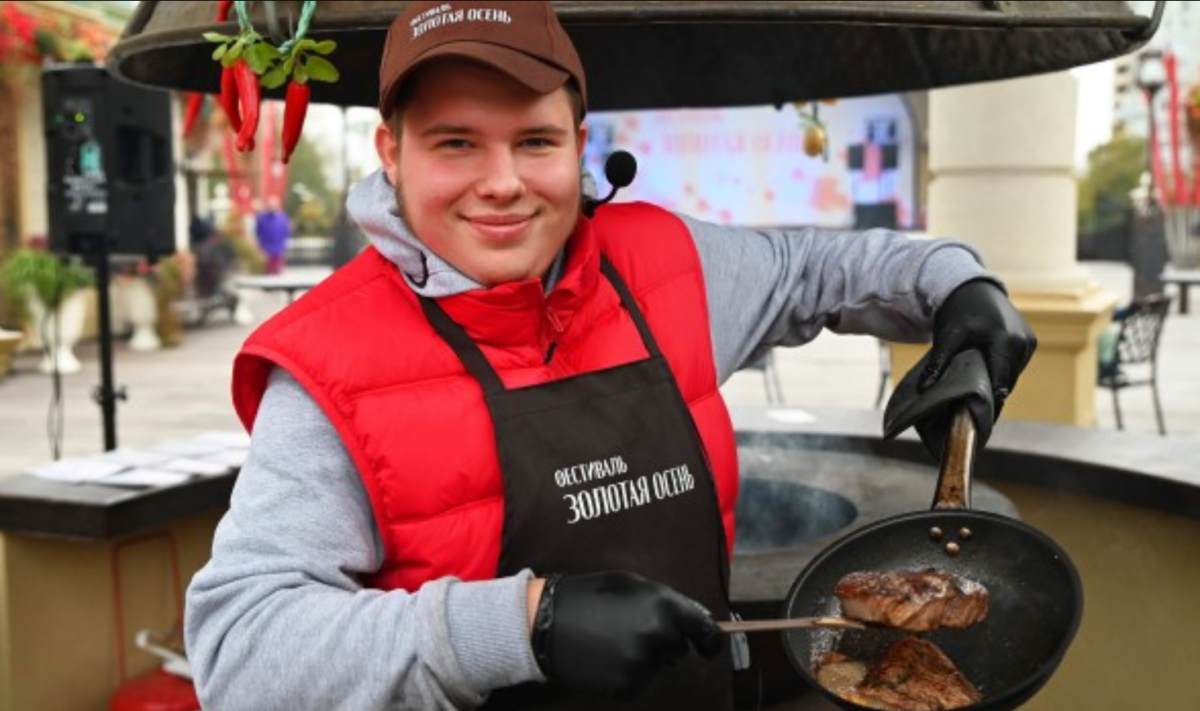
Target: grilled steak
{"x":914,"y":675}
{"x":914,"y":600}
{"x":840,"y":674}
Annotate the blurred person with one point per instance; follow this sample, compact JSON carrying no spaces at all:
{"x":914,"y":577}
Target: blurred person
{"x":273,"y":230}
{"x":490,"y":463}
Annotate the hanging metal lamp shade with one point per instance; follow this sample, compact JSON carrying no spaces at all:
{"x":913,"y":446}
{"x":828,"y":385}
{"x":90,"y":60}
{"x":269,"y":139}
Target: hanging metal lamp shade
{"x":642,"y":55}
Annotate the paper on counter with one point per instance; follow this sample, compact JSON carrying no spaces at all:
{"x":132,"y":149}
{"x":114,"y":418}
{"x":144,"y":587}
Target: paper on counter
{"x":143,"y":478}
{"x":133,"y":457}
{"x":77,"y":470}
{"x":185,"y":465}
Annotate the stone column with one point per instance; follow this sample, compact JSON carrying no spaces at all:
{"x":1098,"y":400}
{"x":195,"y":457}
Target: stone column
{"x":1002,"y":155}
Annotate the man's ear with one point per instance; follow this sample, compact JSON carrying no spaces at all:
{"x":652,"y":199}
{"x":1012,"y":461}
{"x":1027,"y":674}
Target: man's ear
{"x":387,"y":147}
{"x":581,"y":138}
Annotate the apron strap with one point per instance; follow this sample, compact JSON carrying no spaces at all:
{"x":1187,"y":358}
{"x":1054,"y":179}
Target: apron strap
{"x":477,"y":364}
{"x":466,"y":349}
{"x":630,"y":305}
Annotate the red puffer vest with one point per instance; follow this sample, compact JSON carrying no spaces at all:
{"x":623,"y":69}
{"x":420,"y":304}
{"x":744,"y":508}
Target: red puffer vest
{"x":414,"y":420}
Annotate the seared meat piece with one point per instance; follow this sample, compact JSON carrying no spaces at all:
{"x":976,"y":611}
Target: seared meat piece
{"x":840,"y":674}
{"x":914,"y":675}
{"x":914,"y":600}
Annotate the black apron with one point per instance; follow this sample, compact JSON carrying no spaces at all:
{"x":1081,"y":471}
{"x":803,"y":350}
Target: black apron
{"x":605,"y":471}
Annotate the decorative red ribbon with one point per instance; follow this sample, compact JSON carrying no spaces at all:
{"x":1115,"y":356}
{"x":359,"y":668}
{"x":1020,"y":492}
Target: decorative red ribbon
{"x":1171,"y":65}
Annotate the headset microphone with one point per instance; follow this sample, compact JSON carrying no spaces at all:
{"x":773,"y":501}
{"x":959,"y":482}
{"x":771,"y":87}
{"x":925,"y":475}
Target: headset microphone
{"x":619,"y":170}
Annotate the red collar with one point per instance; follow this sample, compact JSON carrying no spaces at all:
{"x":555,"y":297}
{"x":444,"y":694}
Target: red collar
{"x":517,"y":313}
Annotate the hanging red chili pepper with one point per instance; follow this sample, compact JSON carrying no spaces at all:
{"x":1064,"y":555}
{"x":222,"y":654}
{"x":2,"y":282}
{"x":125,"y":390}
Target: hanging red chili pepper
{"x":194,"y":104}
{"x":249,"y":99}
{"x":228,"y":90}
{"x":294,"y":110}
{"x":229,"y":99}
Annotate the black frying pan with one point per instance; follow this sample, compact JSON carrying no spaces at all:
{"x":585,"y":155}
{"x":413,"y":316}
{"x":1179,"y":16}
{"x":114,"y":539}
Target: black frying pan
{"x":1036,"y":599}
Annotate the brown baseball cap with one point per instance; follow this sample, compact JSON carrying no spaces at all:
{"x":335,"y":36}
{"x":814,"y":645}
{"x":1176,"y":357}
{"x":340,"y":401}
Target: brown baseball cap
{"x":522,"y":39}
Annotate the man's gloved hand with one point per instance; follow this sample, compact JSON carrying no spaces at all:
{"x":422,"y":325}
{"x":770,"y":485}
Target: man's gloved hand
{"x":979,"y":315}
{"x":611,"y":632}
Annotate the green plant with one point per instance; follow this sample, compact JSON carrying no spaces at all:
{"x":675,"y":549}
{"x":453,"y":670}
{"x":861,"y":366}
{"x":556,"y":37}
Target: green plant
{"x":169,"y":284}
{"x":249,"y":256}
{"x":34,"y":271}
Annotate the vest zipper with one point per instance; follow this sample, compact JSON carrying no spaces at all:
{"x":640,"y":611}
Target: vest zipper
{"x":556,"y":326}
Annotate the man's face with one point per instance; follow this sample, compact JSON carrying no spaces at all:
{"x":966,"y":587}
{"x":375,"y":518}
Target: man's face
{"x":486,"y":171}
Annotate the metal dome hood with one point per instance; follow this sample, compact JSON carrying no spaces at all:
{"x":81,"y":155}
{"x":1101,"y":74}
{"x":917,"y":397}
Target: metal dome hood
{"x":645,"y":55}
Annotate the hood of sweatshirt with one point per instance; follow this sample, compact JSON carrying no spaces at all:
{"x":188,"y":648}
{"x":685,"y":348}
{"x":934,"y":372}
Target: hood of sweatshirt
{"x":372,"y":205}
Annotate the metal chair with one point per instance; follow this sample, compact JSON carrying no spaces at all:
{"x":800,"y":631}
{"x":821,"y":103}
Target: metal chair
{"x":1134,"y":359}
{"x":766,"y":364}
{"x":885,"y":372}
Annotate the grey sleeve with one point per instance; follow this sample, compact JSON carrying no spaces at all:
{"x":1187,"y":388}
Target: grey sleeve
{"x":768,"y":288}
{"x":279,"y":617}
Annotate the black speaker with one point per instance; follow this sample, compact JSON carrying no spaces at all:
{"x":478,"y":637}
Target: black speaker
{"x":111,"y":174}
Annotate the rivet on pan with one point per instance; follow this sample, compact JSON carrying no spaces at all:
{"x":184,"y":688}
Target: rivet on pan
{"x":964,"y":533}
{"x":935,"y":533}
{"x":952,"y":549}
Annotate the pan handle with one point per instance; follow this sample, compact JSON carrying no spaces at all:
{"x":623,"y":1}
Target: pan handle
{"x":958,"y":460}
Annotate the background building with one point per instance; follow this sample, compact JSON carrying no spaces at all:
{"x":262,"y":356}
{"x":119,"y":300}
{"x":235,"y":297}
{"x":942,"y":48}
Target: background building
{"x":1178,"y":34}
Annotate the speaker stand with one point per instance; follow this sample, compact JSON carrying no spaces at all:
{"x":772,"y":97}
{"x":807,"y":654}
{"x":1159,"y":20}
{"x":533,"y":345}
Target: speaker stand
{"x":95,"y":249}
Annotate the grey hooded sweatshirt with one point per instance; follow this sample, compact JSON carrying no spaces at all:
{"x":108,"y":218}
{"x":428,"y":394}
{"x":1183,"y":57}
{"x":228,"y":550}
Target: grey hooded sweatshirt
{"x":279,"y":617}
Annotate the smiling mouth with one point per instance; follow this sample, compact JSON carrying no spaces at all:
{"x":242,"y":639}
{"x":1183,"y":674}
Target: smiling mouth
{"x":500,"y":226}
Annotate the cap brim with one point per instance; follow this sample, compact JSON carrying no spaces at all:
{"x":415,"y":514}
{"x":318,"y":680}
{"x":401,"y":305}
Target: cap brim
{"x":539,"y":76}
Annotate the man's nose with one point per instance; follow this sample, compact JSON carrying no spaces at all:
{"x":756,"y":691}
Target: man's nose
{"x":501,"y":178}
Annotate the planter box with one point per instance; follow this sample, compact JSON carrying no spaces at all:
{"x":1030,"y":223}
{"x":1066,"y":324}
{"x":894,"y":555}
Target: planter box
{"x":9,"y":340}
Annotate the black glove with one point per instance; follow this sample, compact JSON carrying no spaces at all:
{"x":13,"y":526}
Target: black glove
{"x":964,"y":383}
{"x":610,"y":632}
{"x":978,"y":315}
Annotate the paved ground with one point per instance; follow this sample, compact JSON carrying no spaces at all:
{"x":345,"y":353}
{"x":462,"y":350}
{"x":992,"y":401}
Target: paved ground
{"x":182,"y":391}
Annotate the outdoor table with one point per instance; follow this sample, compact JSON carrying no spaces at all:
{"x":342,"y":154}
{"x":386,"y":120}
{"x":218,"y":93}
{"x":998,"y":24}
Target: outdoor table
{"x":289,"y":284}
{"x":1183,"y":279}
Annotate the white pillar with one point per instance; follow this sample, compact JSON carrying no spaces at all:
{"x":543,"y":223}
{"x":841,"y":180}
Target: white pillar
{"x":1002,"y":155}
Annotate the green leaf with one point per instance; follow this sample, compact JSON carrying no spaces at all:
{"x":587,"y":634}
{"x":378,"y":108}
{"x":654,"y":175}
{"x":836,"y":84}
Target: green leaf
{"x":270,"y":51}
{"x":300,"y":75}
{"x":234,"y":53}
{"x":305,"y":44}
{"x":217,"y":37}
{"x":220,"y":51}
{"x":321,"y":69}
{"x":325,"y":47}
{"x":288,"y":64}
{"x":274,"y":78}
{"x":258,"y":58}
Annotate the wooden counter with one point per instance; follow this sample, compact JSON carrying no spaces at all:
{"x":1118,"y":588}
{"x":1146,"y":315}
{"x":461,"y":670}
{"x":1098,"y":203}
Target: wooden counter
{"x":94,"y":514}
{"x":68,"y":554}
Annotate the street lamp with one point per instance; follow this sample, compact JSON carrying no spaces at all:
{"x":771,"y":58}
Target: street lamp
{"x":1151,"y":77}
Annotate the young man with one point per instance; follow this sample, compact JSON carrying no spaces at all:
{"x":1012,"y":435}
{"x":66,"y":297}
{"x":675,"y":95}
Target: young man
{"x":490,"y":461}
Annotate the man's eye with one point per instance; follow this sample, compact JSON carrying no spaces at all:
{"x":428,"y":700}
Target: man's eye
{"x":538,"y":142}
{"x":454,"y":144}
